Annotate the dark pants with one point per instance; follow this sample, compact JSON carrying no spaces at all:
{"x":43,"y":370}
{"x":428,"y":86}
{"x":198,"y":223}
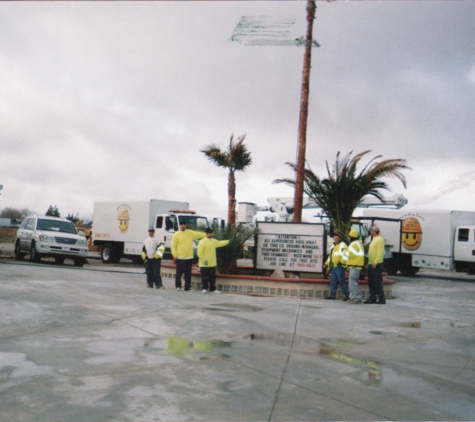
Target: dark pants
{"x":152,"y":267}
{"x":208,"y":278}
{"x":183,"y":267}
{"x":375,"y":282}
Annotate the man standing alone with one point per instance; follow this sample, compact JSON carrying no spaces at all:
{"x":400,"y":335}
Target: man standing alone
{"x":152,"y":255}
{"x":207,"y":260}
{"x":182,"y":251}
{"x":337,"y":271}
{"x":375,"y":268}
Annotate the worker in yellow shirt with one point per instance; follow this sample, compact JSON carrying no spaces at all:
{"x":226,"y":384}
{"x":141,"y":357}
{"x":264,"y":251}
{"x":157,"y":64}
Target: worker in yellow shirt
{"x":182,"y":252}
{"x":207,"y":260}
{"x":375,"y":268}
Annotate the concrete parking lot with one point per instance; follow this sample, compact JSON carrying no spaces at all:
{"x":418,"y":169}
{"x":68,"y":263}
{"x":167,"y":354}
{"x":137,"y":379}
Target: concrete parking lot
{"x":94,"y":344}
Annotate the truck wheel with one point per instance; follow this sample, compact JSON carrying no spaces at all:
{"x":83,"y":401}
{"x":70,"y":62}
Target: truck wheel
{"x":18,"y":254}
{"x":409,"y":271}
{"x":391,"y":269}
{"x":34,"y":255}
{"x":108,"y":254}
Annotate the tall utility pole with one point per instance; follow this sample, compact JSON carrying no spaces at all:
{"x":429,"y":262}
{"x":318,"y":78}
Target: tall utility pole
{"x":299,"y":177}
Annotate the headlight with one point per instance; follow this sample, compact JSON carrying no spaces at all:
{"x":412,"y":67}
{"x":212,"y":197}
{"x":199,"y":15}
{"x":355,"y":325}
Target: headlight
{"x":49,"y":239}
{"x":81,"y":242}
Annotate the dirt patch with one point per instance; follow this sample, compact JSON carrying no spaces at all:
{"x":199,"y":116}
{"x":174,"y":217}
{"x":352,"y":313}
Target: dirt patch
{"x":7,"y":235}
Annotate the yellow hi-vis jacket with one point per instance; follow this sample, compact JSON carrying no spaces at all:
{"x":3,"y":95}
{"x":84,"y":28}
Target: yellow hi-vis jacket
{"x":336,"y":255}
{"x":354,"y":255}
{"x":159,"y":251}
{"x":207,"y":251}
{"x":182,"y":243}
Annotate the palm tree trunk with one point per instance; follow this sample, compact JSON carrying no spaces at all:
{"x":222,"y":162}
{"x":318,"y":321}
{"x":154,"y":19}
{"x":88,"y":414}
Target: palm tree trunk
{"x":231,"y":198}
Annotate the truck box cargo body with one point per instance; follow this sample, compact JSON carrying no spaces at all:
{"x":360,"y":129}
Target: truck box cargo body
{"x":120,"y":227}
{"x":426,"y":238}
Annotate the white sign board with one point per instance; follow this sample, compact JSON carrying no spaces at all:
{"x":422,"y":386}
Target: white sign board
{"x":290,"y":247}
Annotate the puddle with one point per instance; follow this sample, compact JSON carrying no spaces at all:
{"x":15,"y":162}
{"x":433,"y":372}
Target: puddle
{"x":370,"y":371}
{"x":201,"y":350}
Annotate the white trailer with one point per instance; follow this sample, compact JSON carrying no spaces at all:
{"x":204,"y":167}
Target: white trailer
{"x":425,"y":239}
{"x":120,"y":227}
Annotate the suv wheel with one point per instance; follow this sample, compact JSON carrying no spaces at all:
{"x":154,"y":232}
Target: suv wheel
{"x":18,"y":254}
{"x":34,"y":255}
{"x":79,"y":262}
{"x":59,"y":260}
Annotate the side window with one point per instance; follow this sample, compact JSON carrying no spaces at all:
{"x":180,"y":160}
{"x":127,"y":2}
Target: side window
{"x":159,"y":223}
{"x":31,"y":224}
{"x":170,"y":223}
{"x":24,"y":223}
{"x":463,"y":235}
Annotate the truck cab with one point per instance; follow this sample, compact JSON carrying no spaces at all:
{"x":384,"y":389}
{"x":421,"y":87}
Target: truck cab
{"x":167,"y":224}
{"x":464,"y":248}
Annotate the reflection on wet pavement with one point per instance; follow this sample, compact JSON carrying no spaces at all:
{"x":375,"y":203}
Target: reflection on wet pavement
{"x":182,"y":347}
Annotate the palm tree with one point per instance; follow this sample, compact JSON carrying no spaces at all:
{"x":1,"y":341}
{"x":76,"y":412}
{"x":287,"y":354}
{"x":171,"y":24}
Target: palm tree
{"x":235,"y":158}
{"x":344,"y":189}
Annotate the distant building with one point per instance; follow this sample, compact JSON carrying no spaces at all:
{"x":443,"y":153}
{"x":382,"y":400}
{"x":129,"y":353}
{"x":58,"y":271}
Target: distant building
{"x":5,"y":222}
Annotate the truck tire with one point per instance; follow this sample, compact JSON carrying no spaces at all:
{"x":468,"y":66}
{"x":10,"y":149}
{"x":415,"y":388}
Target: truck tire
{"x":409,"y":271}
{"x":19,"y":255}
{"x":108,"y":254}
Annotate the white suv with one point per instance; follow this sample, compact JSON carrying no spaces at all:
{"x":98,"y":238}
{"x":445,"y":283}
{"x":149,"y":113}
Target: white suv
{"x":43,"y":236}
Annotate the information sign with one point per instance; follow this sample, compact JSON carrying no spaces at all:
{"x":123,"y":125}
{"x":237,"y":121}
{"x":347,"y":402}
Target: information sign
{"x":290,"y":246}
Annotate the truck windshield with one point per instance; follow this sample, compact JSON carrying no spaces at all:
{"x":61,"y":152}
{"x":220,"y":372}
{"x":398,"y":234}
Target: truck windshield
{"x":56,"y":226}
{"x":194,"y":222}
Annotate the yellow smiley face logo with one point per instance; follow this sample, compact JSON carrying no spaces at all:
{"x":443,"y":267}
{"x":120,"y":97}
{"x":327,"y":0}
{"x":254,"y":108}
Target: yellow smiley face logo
{"x":411,"y":233}
{"x":123,"y":217}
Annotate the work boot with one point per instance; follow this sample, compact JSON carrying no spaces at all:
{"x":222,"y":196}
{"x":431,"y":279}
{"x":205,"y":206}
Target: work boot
{"x":370,"y":301}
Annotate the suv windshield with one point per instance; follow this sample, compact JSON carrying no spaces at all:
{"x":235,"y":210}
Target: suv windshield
{"x":56,"y":226}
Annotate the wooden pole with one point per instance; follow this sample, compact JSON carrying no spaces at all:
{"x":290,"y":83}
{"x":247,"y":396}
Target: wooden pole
{"x":298,"y":196}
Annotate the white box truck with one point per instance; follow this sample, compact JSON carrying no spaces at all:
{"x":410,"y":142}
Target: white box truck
{"x":425,"y":239}
{"x":120,"y":227}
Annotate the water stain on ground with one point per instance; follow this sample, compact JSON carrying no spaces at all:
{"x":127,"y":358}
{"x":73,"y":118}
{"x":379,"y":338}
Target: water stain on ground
{"x":232,"y":307}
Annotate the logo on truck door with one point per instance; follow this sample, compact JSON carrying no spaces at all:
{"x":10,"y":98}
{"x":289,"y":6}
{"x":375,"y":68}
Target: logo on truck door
{"x":411,"y":233}
{"x":123,"y":216}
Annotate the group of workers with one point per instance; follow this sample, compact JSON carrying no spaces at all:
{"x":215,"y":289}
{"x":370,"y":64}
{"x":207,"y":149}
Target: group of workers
{"x":182,"y":252}
{"x":340,"y":259}
{"x":352,"y":257}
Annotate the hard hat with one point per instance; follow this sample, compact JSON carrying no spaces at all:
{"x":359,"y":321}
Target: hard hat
{"x":354,"y":233}
{"x":411,"y":225}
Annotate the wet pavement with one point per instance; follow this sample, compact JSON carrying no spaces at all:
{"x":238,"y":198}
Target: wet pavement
{"x":94,"y":344}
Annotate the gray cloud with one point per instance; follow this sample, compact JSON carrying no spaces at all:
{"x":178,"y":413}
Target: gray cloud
{"x":113,"y":100}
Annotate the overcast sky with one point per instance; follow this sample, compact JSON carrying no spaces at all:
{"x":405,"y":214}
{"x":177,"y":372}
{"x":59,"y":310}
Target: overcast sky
{"x":114,"y":100}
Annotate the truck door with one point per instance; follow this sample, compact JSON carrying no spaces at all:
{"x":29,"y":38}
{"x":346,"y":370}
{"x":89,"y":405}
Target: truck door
{"x":464,"y":245}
